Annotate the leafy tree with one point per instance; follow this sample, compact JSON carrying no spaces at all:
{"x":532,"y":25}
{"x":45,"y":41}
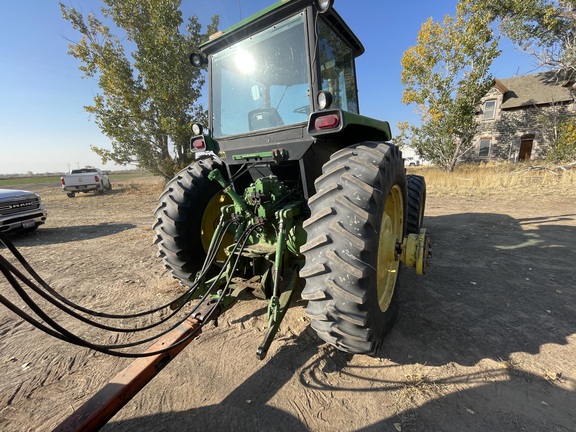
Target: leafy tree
{"x":543,"y":28}
{"x":564,"y":149}
{"x":555,"y":123}
{"x":147,"y":102}
{"x":403,"y":138}
{"x":446,"y":74}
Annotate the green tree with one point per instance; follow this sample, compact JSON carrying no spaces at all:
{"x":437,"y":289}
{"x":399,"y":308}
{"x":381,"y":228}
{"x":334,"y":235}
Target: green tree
{"x":555,"y":123}
{"x":148,"y":102}
{"x":564,"y":149}
{"x":544,"y":28}
{"x":446,"y":74}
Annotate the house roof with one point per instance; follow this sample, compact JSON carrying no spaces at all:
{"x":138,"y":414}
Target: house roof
{"x":535,"y":89}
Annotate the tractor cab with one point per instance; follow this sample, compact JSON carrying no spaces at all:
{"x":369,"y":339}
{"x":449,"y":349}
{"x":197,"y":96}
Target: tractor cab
{"x":272,"y":78}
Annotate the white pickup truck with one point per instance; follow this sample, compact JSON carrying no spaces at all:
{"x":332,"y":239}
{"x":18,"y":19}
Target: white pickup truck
{"x":85,"y":180}
{"x":20,"y":210}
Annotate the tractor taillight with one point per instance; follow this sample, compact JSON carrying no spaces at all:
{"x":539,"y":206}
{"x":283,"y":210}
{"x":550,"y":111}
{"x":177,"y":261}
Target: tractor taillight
{"x":329,"y":121}
{"x":198,"y":145}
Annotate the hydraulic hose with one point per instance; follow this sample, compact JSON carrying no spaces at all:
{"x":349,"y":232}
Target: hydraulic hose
{"x":61,"y":333}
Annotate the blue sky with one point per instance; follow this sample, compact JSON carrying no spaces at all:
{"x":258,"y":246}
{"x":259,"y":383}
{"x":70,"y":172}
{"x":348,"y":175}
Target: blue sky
{"x":44,"y":128}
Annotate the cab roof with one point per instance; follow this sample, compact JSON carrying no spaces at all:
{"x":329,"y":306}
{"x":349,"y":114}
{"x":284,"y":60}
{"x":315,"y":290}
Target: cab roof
{"x":272,"y":14}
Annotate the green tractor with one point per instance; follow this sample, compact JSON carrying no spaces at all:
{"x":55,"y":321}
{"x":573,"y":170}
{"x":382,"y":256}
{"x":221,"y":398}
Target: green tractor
{"x":291,"y":186}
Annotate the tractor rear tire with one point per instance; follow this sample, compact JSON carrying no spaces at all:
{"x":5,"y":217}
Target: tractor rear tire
{"x":186,"y":217}
{"x":356,"y":225}
{"x":416,"y":202}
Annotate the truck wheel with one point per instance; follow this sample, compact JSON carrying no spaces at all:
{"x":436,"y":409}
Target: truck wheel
{"x":416,"y":202}
{"x":356,"y":225}
{"x":70,"y":194}
{"x":186,"y":218}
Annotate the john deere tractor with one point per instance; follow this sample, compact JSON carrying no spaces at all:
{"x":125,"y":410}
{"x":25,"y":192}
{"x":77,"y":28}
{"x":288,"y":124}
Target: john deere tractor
{"x":291,"y":187}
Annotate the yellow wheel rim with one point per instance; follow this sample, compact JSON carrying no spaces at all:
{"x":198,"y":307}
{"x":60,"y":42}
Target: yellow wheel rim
{"x":209,"y":223}
{"x":391,"y":233}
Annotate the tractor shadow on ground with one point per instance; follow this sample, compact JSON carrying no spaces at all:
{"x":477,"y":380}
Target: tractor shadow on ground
{"x":496,"y":286}
{"x":448,"y":400}
{"x":522,"y":402}
{"x":246,"y":407}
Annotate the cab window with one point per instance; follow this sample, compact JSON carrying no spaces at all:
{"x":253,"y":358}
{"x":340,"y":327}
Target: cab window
{"x":262,"y":82}
{"x":337,"y":68}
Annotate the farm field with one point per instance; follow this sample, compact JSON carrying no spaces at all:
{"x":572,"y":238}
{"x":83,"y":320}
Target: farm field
{"x":51,"y":181}
{"x":485,"y":341}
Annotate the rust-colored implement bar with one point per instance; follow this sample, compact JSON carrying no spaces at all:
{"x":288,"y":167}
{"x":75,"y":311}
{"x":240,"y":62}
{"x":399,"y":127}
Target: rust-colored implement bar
{"x":101,"y":407}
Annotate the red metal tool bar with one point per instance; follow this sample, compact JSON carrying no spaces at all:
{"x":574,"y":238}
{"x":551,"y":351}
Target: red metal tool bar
{"x":101,"y":407}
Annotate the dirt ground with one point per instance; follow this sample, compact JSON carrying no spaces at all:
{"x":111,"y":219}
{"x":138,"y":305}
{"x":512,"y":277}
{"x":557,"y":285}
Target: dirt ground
{"x":485,"y":341}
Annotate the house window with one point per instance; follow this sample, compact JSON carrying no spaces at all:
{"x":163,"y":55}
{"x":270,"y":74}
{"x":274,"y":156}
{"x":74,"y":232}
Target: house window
{"x":489,"y":110}
{"x":484,"y":149}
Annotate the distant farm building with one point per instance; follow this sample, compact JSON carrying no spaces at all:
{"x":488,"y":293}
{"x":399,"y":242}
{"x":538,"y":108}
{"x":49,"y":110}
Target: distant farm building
{"x":510,"y":116}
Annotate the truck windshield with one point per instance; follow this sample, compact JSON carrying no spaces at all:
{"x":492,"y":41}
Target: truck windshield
{"x":262,"y":81}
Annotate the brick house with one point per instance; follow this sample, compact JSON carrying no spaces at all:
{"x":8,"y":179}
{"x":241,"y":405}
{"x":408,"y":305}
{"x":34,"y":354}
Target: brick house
{"x":509,"y":116}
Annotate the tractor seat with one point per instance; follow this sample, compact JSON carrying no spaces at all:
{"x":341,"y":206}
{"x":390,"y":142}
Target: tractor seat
{"x":264,"y":118}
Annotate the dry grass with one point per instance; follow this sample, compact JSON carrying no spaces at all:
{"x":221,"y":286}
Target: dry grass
{"x":466,"y":180}
{"x":141,"y":186}
{"x":494,"y":179}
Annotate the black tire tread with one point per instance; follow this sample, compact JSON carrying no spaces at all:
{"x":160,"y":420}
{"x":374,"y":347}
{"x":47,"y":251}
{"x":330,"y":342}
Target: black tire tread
{"x":341,"y":250}
{"x":179,"y":215}
{"x":416,"y":186}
